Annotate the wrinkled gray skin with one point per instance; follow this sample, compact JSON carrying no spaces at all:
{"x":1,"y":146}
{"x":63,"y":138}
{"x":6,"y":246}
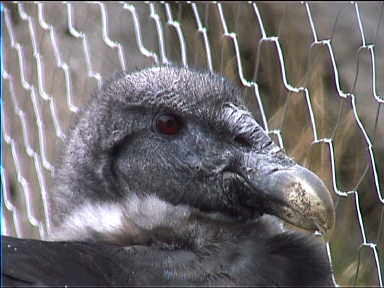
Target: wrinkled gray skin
{"x":191,"y":201}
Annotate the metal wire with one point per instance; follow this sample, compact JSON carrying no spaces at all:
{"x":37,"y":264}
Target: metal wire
{"x":54,"y":57}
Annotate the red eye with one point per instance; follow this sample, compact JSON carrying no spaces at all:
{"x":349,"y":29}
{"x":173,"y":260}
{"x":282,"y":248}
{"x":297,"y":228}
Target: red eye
{"x":168,"y":124}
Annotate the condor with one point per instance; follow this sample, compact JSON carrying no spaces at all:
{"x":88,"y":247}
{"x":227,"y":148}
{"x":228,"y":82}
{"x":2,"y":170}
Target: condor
{"x":167,"y":179}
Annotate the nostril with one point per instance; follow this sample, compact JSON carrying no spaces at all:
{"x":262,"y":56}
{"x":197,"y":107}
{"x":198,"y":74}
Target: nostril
{"x":274,"y":170}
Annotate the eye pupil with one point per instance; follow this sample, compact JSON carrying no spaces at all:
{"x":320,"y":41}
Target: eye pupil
{"x":168,"y":124}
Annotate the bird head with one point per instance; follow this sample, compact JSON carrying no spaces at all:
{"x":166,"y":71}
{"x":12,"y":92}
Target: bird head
{"x":166,"y":142}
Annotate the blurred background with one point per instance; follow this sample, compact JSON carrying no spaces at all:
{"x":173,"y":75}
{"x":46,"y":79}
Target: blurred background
{"x":312,"y":74}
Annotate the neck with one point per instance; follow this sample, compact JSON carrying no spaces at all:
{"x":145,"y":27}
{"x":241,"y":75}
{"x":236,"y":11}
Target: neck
{"x":199,"y":250}
{"x":146,"y":221}
{"x":179,"y":245}
{"x":211,"y":252}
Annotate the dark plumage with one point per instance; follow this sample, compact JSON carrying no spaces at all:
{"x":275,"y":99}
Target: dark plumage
{"x":164,"y":180}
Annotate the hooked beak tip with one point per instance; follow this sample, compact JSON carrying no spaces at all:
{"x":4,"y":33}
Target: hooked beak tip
{"x":299,"y":197}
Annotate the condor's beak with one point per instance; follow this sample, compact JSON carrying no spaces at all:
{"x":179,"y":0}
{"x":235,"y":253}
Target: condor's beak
{"x":299,"y":197}
{"x":295,"y":195}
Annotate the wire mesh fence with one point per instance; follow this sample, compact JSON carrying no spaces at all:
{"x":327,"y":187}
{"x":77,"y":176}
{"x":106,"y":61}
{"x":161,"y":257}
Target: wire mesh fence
{"x":312,"y":74}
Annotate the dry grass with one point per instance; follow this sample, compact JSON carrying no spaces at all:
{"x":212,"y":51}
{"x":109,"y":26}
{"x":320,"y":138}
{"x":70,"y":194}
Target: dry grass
{"x":305,"y":65}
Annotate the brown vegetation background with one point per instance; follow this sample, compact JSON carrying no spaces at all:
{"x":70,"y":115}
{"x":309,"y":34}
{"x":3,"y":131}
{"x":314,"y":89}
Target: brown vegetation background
{"x":29,"y":52}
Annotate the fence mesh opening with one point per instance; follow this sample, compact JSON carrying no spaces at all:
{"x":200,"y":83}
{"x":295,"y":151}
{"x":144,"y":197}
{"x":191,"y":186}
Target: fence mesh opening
{"x":312,"y":74}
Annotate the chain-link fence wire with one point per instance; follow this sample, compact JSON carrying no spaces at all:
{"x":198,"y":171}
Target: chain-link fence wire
{"x":312,"y":74}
